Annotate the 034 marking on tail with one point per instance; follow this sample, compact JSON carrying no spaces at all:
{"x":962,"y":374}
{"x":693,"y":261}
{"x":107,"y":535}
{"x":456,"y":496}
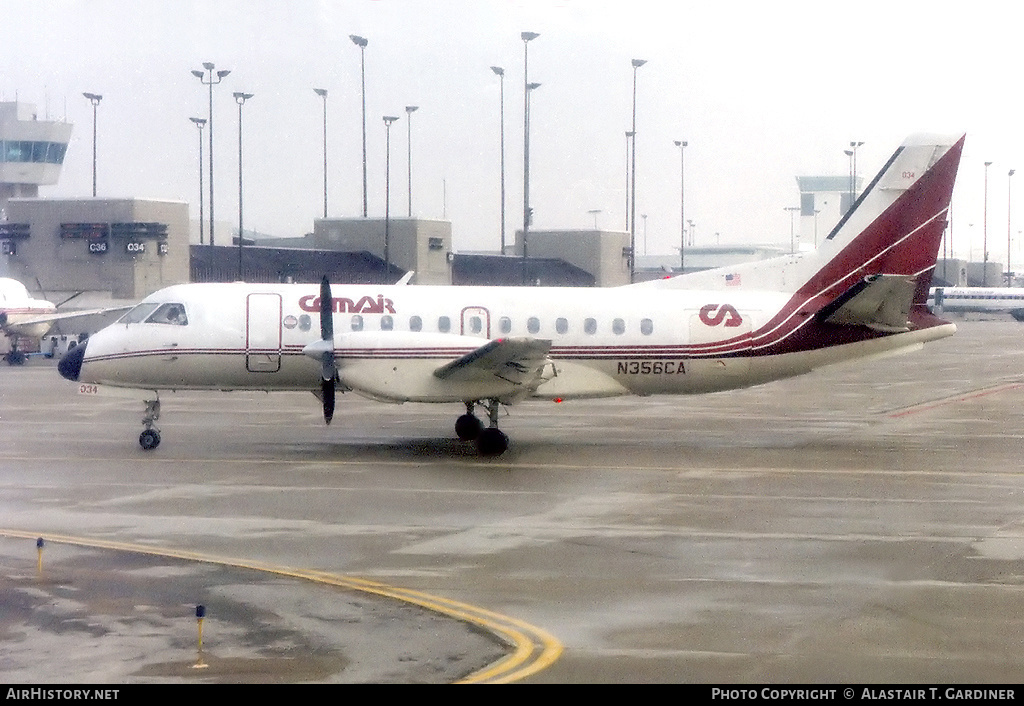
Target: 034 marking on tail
{"x":862,"y":293}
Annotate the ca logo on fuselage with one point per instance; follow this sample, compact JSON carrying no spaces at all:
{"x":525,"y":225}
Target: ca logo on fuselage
{"x":716,"y":315}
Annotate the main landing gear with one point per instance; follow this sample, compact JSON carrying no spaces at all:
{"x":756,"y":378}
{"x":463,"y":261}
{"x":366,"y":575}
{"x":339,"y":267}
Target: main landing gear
{"x":150,"y":437}
{"x":490,"y":441}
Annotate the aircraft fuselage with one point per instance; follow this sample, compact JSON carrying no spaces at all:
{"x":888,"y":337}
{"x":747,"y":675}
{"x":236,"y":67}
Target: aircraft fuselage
{"x":390,"y":340}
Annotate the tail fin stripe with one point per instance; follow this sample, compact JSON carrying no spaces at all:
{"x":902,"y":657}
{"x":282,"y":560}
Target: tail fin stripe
{"x":764,"y":337}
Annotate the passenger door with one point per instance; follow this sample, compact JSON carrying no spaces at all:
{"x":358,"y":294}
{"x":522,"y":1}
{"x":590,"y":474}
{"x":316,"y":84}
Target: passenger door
{"x":263,"y":333}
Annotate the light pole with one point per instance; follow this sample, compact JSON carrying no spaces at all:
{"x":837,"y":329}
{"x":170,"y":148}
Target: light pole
{"x":409,"y":110}
{"x":200,"y":122}
{"x":849,"y":204}
{"x":681,"y":144}
{"x":322,"y":92}
{"x":361,"y":43}
{"x":853,"y":172}
{"x":593,"y":212}
{"x":500,"y":73}
{"x":1009,"y":206}
{"x":240,"y":98}
{"x":95,"y":100}
{"x":208,"y":80}
{"x":637,"y":63}
{"x":984,"y":233}
{"x":792,"y":233}
{"x":528,"y":210}
{"x":388,"y":119}
{"x":947,"y":241}
{"x":644,"y":216}
{"x":629,"y":136}
{"x":527,"y":37}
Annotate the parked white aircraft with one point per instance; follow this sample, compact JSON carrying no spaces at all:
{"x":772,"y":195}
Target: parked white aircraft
{"x":861,"y":293}
{"x":979,"y":299}
{"x":23,"y":316}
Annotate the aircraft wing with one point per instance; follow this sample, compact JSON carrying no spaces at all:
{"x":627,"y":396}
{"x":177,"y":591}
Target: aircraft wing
{"x":880,"y":302}
{"x":26,"y":324}
{"x":519,"y":361}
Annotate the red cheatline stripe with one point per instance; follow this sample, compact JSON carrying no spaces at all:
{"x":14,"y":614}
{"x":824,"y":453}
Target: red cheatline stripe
{"x":926,"y":406}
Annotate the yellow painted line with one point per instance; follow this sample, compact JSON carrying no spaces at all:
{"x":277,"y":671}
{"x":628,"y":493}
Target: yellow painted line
{"x":533,"y":649}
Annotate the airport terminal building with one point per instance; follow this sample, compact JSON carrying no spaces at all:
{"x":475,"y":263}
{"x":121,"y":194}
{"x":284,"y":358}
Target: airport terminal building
{"x":114,"y":249}
{"x":111,"y":249}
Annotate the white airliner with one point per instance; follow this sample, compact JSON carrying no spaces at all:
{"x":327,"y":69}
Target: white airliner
{"x":862,"y":293}
{"x":22,"y":316}
{"x":979,"y":299}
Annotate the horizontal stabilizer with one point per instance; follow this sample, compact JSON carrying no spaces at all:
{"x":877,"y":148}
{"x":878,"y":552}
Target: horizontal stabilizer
{"x":515,"y":360}
{"x":880,"y":302}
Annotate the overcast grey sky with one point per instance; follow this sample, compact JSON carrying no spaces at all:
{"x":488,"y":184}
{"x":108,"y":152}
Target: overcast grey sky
{"x":762,"y":92}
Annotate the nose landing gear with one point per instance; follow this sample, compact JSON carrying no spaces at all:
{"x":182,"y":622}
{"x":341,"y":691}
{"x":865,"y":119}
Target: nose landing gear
{"x":149,"y":439}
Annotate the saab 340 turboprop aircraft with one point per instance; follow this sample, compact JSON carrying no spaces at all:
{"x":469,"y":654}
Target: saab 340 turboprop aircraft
{"x":862,"y":293}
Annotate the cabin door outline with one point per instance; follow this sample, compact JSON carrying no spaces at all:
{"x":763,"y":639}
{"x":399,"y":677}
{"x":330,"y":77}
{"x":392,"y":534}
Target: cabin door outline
{"x":263,"y":336}
{"x":475,"y":321}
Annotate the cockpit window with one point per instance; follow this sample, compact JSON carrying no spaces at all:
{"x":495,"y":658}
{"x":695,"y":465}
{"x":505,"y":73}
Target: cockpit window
{"x":173,"y":314}
{"x":139,"y":314}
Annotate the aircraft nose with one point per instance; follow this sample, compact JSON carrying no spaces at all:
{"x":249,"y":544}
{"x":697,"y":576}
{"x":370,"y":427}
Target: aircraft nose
{"x":70,"y":365}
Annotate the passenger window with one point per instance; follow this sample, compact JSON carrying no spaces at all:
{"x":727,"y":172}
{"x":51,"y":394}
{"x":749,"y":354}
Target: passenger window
{"x":357,"y":322}
{"x":533,"y":324}
{"x":173,"y":314}
{"x":561,"y":325}
{"x":618,"y":327}
{"x":305,"y":323}
{"x":386,"y":323}
{"x":590,"y":326}
{"x":415,"y":323}
{"x":646,"y":327}
{"x":475,"y":324}
{"x":505,"y":324}
{"x":444,"y":324}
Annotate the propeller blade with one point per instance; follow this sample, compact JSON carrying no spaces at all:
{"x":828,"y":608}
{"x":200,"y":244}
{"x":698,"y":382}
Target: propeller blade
{"x":328,"y":372}
{"x":326,"y":311}
{"x":327,"y":390}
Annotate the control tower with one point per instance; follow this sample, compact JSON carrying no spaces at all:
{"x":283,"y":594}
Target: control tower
{"x":31,"y":151}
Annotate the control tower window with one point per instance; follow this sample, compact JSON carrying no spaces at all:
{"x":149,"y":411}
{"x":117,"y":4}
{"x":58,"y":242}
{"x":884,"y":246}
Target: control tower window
{"x":55,"y":152}
{"x":38,"y":152}
{"x":13,"y":151}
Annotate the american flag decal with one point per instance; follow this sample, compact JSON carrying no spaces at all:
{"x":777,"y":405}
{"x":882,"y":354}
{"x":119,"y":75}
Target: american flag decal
{"x":732,"y":280}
